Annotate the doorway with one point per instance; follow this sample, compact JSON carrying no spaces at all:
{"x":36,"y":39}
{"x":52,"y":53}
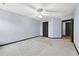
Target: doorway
{"x":45,"y":29}
{"x":67,"y":29}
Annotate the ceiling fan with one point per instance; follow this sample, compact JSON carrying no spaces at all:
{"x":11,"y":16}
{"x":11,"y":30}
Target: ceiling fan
{"x":39,"y":9}
{"x":42,"y":11}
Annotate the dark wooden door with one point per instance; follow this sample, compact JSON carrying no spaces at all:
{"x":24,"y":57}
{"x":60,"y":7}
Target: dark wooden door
{"x":69,"y":29}
{"x":45,"y":29}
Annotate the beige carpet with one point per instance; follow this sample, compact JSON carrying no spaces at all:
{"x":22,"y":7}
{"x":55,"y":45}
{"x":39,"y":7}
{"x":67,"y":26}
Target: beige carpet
{"x":40,"y":46}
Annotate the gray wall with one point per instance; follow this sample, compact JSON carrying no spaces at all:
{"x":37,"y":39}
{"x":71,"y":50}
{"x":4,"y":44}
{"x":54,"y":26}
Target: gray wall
{"x":50,"y":28}
{"x":14,"y":27}
{"x":55,"y":28}
{"x":64,"y":28}
{"x":41,"y":29}
{"x":76,"y":27}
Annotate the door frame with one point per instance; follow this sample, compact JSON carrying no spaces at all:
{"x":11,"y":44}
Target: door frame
{"x":72,"y":20}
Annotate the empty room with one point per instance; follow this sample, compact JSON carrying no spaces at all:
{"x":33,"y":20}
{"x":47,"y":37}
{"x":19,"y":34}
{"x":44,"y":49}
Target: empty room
{"x":39,"y":29}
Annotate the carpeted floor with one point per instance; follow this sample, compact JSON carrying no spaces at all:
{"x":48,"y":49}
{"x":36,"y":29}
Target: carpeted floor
{"x":40,"y":46}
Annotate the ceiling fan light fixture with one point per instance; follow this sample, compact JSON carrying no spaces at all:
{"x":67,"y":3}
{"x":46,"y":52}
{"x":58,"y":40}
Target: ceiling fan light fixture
{"x":40,"y":16}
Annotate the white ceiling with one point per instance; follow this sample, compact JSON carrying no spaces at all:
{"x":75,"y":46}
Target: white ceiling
{"x":49,"y":9}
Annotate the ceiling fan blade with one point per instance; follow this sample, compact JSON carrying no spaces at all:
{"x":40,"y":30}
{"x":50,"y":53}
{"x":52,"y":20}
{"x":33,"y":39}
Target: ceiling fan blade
{"x":29,"y":5}
{"x":51,"y":11}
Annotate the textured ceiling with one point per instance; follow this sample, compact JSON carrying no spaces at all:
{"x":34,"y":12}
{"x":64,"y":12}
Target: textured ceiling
{"x":49,"y":9}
